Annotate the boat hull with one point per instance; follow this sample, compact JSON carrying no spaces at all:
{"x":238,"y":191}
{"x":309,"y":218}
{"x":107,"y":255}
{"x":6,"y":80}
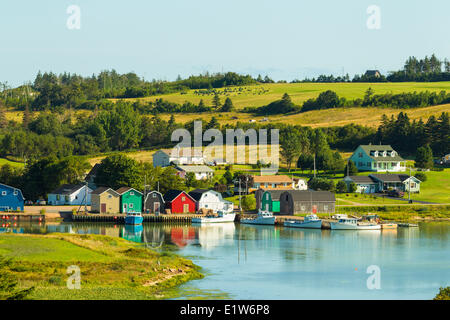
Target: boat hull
{"x":261,"y":221}
{"x":134,"y":220}
{"x":305,"y":225}
{"x":346,"y":226}
{"x":389,"y":226}
{"x":206,"y":220}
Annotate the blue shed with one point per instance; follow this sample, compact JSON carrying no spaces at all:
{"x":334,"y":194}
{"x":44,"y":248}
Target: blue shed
{"x":11,"y":199}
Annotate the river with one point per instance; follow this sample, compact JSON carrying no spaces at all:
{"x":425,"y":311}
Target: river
{"x":266,"y":262}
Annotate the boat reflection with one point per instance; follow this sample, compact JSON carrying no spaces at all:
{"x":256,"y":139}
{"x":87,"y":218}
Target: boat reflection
{"x":215,"y":235}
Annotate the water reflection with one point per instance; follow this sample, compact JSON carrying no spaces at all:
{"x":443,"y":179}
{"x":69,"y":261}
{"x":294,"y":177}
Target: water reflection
{"x":266,"y":262}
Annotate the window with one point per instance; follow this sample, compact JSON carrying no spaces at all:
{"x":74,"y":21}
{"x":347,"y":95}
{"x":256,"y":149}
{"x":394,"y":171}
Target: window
{"x":154,"y":195}
{"x":369,"y":164}
{"x":16,"y":193}
{"x":303,"y":208}
{"x":325,"y":208}
{"x":3,"y":193}
{"x":131,"y":193}
{"x":58,"y":197}
{"x":267,"y":196}
{"x":130,"y":206}
{"x":109,"y":196}
{"x":183,"y":198}
{"x":394,"y":164}
{"x":360,"y":155}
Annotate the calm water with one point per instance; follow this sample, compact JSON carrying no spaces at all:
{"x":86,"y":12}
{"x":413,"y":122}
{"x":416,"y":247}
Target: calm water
{"x":263,"y":262}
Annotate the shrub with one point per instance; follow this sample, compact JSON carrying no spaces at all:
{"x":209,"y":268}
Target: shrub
{"x":421,"y":176}
{"x":444,"y":294}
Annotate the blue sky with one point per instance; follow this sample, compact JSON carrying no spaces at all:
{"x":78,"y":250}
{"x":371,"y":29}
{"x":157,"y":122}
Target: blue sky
{"x":285,"y":39}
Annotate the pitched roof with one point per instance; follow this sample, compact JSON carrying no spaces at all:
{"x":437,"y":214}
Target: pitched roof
{"x":101,"y":190}
{"x":307,"y":195}
{"x":272,"y":179}
{"x":197,"y":193}
{"x":123,"y":190}
{"x":177,"y":153}
{"x":148,"y":194}
{"x":68,"y":188}
{"x":93,"y":171}
{"x":195,"y":169}
{"x":173,"y":194}
{"x":14,"y":189}
{"x":362,"y":179}
{"x":275,"y":194}
{"x":391,"y":177}
{"x":370,"y":148}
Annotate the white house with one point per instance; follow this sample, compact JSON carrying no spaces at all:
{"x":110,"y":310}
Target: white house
{"x":200,"y":172}
{"x":178,"y":156}
{"x":211,"y":200}
{"x":299,"y":184}
{"x":70,"y":194}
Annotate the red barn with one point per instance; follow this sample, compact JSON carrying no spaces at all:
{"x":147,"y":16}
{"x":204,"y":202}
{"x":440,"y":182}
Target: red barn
{"x":179,"y":202}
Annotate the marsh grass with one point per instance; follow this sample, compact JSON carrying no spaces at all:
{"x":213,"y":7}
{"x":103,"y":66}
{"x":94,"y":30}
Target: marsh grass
{"x":110,"y":268}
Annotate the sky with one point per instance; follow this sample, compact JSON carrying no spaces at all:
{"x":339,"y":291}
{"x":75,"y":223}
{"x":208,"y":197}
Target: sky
{"x":285,"y":39}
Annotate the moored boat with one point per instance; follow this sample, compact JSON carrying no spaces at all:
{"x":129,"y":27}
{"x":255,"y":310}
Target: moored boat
{"x":134,"y":218}
{"x":219,"y":218}
{"x":263,"y":217}
{"x":388,"y":226}
{"x":353,"y":224}
{"x":311,"y":221}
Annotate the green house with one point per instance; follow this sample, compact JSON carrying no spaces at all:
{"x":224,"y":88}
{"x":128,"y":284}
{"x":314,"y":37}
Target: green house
{"x":270,"y":200}
{"x":130,"y":200}
{"x":378,"y":158}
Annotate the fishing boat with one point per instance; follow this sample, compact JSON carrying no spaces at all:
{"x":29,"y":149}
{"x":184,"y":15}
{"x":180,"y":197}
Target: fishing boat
{"x":311,"y":221}
{"x":263,"y":217}
{"x":219,"y":218}
{"x":388,"y":226}
{"x":408,"y":225}
{"x":353,"y":224}
{"x":134,"y":218}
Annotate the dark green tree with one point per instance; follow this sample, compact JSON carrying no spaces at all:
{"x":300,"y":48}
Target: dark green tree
{"x":119,"y":171}
{"x":424,"y":157}
{"x":228,"y":105}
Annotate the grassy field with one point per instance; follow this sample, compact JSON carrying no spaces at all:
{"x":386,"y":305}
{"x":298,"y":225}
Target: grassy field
{"x":111,"y":268}
{"x":11,"y":163}
{"x":259,"y":95}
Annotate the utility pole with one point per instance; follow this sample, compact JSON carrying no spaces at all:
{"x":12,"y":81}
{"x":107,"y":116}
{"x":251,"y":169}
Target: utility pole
{"x":314,"y":165}
{"x":240,"y":208}
{"x":85,"y":196}
{"x":409,"y":185}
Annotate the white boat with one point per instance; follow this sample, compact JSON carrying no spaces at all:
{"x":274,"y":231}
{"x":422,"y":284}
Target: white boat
{"x":220,"y":218}
{"x":263,"y":217}
{"x":353,"y":224}
{"x":311,"y":221}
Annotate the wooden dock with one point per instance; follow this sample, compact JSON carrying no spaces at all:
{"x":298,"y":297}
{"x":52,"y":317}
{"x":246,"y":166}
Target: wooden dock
{"x":120,"y":218}
{"x":22,"y":217}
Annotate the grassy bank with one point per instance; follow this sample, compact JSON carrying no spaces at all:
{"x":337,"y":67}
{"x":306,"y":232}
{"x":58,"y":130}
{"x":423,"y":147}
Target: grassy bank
{"x":402,"y":213}
{"x":111,"y":268}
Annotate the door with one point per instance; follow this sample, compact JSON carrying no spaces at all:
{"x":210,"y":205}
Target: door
{"x":314,"y":209}
{"x":103,"y":208}
{"x":267,"y":207}
{"x":125,"y":208}
{"x":185,"y":208}
{"x":156,"y":207}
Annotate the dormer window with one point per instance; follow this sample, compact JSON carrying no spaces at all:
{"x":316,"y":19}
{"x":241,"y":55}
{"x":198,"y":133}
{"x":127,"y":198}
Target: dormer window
{"x":393,"y":154}
{"x":384,"y":154}
{"x":375,"y":154}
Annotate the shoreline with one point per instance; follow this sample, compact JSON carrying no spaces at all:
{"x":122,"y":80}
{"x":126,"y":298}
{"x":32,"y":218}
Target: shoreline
{"x":110,"y":268}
